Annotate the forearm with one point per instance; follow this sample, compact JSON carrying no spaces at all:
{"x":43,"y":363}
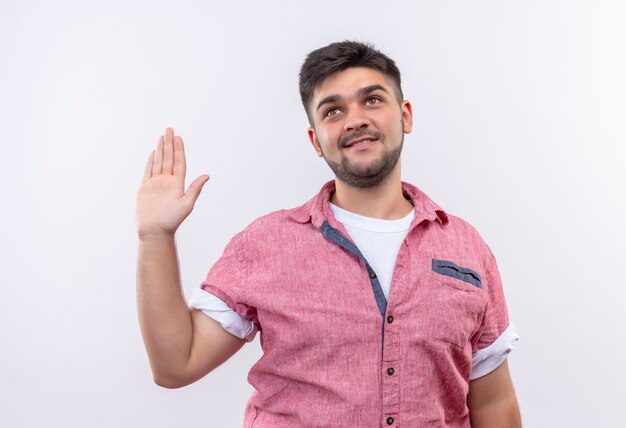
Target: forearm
{"x":492,"y":401}
{"x":164,"y":317}
{"x":503,"y":413}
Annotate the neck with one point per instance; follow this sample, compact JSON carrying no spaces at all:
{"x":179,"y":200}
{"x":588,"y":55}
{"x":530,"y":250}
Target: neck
{"x":384,"y":201}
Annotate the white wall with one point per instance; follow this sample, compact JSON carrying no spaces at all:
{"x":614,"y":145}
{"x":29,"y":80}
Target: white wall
{"x":520,"y":129}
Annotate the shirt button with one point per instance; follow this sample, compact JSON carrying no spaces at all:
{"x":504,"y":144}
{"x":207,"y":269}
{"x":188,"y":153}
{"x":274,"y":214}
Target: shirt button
{"x":390,"y":371}
{"x":390,"y":319}
{"x":389,"y":420}
{"x":372,"y":274}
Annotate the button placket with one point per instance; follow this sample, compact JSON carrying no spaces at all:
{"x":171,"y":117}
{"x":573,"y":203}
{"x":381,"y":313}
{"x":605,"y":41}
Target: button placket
{"x":391,"y":350}
{"x":391,"y":380}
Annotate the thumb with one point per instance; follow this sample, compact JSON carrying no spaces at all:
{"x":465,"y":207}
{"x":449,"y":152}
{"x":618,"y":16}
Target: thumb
{"x":194,"y":189}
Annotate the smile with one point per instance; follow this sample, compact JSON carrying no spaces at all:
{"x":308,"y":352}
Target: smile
{"x":360,"y":142}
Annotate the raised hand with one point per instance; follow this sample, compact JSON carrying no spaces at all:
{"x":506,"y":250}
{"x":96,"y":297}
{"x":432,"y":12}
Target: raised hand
{"x":162,"y":203}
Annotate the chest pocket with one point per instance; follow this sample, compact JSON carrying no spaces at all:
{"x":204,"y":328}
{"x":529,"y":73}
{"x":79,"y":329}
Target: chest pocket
{"x":454,"y":304}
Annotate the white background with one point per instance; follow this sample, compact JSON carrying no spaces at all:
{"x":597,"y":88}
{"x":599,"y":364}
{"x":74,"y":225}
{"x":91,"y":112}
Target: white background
{"x":519,"y":128}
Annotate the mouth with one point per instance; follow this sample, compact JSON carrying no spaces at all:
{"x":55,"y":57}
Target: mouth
{"x":360,"y":142}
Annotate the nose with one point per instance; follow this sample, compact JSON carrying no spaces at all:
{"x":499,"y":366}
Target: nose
{"x":356,"y":118}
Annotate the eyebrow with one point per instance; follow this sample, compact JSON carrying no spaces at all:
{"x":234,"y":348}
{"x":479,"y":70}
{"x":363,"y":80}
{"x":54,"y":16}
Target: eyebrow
{"x":361,"y":92}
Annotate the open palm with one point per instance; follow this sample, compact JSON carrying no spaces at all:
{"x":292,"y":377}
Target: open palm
{"x":162,"y":203}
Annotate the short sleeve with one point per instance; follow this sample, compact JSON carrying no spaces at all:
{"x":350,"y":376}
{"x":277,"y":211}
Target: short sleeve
{"x":218,"y":310}
{"x":496,"y":335}
{"x":227,"y":279}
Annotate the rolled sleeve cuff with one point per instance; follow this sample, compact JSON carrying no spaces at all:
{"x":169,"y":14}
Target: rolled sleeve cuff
{"x":215,"y":308}
{"x":488,"y":359}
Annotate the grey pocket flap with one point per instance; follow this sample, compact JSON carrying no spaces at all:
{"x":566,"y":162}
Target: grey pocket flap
{"x":447,"y":268}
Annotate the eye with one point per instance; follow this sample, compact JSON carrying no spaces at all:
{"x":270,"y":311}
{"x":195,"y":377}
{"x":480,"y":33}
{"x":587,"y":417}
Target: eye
{"x":372,"y":100}
{"x":331,"y":112}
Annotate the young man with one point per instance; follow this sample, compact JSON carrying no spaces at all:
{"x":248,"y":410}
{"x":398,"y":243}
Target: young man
{"x":375,"y":307}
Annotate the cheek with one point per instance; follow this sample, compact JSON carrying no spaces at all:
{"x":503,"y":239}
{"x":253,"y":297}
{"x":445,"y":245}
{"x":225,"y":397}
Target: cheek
{"x":325,"y":132}
{"x":326,"y":137}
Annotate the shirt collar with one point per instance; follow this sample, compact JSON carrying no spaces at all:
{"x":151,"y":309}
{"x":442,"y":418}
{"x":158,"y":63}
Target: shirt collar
{"x":317,"y":209}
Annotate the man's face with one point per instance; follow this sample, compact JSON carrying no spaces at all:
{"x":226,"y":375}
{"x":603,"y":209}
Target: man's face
{"x":359,"y":125}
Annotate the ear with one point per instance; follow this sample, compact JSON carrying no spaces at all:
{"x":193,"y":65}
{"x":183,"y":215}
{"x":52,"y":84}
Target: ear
{"x":407,"y":117}
{"x":314,"y":142}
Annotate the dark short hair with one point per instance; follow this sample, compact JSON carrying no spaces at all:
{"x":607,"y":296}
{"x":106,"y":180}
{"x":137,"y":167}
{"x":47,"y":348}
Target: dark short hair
{"x":339,"y":56}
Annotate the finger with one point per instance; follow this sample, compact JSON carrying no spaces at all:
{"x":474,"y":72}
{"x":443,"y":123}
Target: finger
{"x":147,"y":173}
{"x":157,"y":165}
{"x":196,"y":187}
{"x":168,"y":151}
{"x":180,"y":164}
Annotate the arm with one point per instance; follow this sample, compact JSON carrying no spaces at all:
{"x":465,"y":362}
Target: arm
{"x":492,"y":402}
{"x":182,"y":345}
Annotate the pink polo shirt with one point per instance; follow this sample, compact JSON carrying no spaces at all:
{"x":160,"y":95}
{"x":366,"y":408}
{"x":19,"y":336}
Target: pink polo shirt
{"x":336,"y":352}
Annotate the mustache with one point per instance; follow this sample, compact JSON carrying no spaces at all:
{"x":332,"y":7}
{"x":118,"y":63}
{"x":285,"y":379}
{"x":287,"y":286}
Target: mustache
{"x":359,"y":134}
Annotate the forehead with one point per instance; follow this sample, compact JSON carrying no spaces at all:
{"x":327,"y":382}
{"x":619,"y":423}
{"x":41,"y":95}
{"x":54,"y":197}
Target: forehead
{"x":347,"y":82}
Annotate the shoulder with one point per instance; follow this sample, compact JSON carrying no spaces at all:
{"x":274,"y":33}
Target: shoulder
{"x":466,"y":237}
{"x":462,"y":229}
{"x":281,"y":224}
{"x":272,"y":221}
